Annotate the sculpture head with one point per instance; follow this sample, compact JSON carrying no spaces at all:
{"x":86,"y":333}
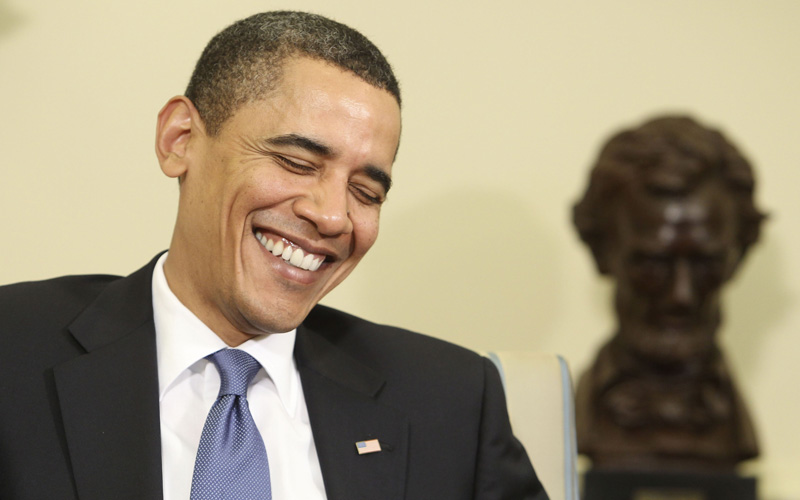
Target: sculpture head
{"x":669,"y":214}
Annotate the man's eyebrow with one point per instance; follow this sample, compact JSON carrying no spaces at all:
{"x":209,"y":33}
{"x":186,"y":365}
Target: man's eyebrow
{"x":300,"y":142}
{"x":379,"y":176}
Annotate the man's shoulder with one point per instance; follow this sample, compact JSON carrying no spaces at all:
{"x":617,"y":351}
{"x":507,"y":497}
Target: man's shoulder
{"x":78,"y":286}
{"x":34,"y":317}
{"x":63,"y":294}
{"x":385,"y":346}
{"x":341,"y":326}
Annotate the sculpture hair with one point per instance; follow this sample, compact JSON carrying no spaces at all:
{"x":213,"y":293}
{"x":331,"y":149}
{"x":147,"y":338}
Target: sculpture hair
{"x":669,"y":156}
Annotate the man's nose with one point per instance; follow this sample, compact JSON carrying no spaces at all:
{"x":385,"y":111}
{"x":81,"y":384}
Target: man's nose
{"x":682,"y":289}
{"x":327,"y":208}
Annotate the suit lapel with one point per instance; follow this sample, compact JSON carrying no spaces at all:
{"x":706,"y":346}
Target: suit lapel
{"x":341,"y":395}
{"x":109,"y":396}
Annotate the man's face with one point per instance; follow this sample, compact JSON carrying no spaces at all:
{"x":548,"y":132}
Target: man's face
{"x":671,"y":258}
{"x":280,"y":207}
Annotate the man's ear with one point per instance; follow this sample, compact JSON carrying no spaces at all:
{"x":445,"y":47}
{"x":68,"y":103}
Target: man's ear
{"x":178,"y":123}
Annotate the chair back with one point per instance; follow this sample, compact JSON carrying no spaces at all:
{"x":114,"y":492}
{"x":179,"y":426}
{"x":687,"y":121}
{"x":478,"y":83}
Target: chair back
{"x":541,"y":408}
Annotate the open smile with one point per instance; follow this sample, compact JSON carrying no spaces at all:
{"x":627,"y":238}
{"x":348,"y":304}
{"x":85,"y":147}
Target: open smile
{"x":291,"y":253}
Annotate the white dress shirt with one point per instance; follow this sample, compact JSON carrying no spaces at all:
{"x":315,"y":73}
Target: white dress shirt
{"x":188,"y":387}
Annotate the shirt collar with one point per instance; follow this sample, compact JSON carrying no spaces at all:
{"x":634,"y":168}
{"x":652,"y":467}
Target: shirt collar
{"x":183,"y":340}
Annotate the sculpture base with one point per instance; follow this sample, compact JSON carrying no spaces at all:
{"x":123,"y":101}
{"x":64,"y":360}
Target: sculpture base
{"x":607,"y":485}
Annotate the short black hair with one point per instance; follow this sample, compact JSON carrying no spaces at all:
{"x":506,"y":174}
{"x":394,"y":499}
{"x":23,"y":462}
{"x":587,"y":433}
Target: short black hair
{"x":243,"y":62}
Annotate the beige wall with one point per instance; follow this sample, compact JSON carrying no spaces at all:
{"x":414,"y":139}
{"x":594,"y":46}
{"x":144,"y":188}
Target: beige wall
{"x":505,"y":107}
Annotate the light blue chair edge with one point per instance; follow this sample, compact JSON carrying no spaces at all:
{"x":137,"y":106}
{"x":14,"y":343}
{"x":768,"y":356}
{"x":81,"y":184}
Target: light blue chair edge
{"x":570,"y":440}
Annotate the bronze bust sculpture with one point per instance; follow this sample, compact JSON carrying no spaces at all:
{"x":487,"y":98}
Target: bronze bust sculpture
{"x":669,"y":215}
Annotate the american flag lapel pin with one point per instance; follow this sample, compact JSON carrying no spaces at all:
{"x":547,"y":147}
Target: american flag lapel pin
{"x":371,"y":446}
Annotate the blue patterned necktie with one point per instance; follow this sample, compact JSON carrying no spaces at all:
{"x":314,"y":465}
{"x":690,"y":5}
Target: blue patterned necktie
{"x":231,"y":461}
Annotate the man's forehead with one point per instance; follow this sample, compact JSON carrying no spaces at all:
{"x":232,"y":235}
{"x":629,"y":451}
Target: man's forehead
{"x":293,"y":74}
{"x":326,"y":129}
{"x":300,"y":96}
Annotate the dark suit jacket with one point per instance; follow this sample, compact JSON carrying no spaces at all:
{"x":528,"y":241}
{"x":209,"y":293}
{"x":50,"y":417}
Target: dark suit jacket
{"x":80,"y":418}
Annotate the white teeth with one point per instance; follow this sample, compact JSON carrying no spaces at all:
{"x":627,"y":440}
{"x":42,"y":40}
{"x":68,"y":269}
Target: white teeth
{"x":297,"y":258}
{"x":294,"y":256}
{"x":263,"y":239}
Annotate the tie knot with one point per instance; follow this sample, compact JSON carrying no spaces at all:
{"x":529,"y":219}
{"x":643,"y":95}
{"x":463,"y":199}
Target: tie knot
{"x":236,"y":371}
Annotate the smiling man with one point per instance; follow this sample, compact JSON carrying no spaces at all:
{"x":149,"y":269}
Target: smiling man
{"x":212,"y":372}
{"x":282,"y":202}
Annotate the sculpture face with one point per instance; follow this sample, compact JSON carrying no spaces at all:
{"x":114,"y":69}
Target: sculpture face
{"x":670,"y":258}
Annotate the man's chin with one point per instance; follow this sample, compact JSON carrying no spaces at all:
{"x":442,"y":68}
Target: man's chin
{"x":272,"y":325}
{"x":259,"y":310}
{"x":260,"y":319}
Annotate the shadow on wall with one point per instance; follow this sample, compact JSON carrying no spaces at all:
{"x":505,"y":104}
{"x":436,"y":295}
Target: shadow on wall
{"x":9,"y":20}
{"x":756,"y":302}
{"x":466,"y":265}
